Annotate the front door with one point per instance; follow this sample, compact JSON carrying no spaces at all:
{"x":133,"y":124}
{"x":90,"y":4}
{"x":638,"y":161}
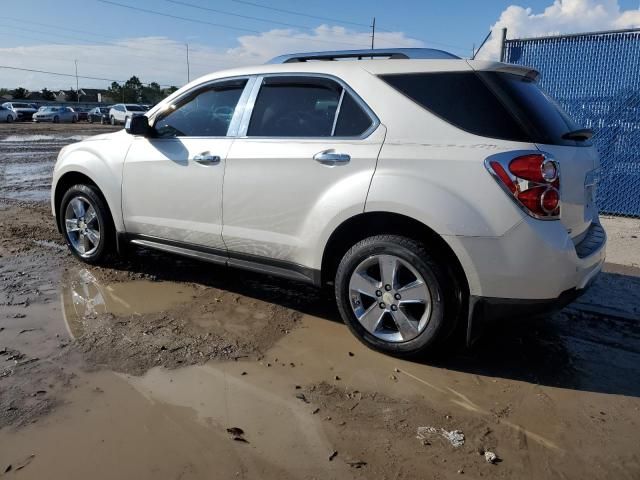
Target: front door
{"x":172,"y":179}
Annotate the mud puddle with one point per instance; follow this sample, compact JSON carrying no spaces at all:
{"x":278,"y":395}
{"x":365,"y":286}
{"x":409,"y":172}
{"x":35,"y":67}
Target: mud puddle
{"x":320,"y":405}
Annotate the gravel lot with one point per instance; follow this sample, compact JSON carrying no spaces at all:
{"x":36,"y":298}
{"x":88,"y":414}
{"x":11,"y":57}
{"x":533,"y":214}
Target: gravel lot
{"x":139,"y":370}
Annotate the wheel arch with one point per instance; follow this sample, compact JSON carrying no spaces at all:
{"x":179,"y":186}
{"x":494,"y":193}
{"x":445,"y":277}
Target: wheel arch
{"x":367,"y":224}
{"x":66,"y":181}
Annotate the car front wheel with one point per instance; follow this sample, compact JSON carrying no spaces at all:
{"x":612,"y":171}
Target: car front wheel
{"x":9,"y":118}
{"x":86,"y":224}
{"x":391,"y":294}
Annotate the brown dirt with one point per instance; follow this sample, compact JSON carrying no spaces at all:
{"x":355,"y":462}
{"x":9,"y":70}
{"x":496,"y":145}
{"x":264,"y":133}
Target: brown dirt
{"x":137,"y":370}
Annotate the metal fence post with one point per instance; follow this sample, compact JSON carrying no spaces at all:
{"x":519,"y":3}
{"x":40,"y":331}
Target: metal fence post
{"x":503,"y":41}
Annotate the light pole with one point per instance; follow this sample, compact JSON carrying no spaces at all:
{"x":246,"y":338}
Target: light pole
{"x":77,"y":89}
{"x":188,"y":69}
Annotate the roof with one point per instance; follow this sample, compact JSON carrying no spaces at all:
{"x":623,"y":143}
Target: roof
{"x":389,"y":53}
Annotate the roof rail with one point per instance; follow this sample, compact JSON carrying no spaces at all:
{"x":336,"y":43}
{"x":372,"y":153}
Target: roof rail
{"x":393,"y":53}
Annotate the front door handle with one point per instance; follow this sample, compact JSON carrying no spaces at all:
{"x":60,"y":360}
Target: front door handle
{"x":206,"y":159}
{"x":331,"y":157}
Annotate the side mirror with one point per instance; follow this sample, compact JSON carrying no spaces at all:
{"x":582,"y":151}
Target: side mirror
{"x":137,"y":125}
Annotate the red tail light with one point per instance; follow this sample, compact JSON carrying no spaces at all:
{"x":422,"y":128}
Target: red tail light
{"x":534,"y":182}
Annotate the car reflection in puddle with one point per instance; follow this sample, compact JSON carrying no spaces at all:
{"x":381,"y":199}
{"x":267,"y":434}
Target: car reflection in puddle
{"x":85,"y":297}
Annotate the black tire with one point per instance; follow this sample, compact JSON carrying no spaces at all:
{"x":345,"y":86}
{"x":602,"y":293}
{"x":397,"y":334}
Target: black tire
{"x":56,"y":119}
{"x":102,"y":122}
{"x":113,"y":120}
{"x":90,"y":119}
{"x":107,"y":242}
{"x":74,"y":119}
{"x":9,"y":118}
{"x":434,"y":276}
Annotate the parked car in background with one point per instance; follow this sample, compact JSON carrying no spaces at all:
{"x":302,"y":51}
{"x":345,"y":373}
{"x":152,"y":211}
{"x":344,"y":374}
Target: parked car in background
{"x":7,"y":115}
{"x":99,"y":114}
{"x":82,"y":113}
{"x":24,"y":111}
{"x":120,"y":112}
{"x":56,"y":115}
{"x":427,"y":192}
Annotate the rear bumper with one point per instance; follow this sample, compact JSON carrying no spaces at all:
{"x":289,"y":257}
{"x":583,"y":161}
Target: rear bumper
{"x":535,"y":260}
{"x":491,"y":308}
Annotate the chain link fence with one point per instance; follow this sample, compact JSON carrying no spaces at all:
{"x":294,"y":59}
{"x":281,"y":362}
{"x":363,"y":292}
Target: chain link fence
{"x":596,"y":78}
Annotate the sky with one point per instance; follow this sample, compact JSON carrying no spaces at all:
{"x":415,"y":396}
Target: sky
{"x":115,"y":39}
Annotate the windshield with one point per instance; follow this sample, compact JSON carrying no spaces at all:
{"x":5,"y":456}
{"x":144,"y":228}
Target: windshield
{"x":21,"y":105}
{"x":135,"y":108}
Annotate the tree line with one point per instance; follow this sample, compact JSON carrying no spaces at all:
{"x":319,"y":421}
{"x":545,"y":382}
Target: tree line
{"x":131,"y":91}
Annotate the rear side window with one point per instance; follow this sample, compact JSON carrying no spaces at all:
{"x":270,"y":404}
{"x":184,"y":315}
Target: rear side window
{"x":306,"y":107}
{"x":294,"y":107}
{"x":352,"y":120}
{"x":489,"y":104}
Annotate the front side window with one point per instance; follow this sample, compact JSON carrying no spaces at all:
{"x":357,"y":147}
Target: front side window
{"x":295,"y":106}
{"x":205,"y":113}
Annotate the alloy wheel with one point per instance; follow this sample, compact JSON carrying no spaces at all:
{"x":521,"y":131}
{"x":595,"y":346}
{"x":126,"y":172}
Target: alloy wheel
{"x":82,"y":226}
{"x":390,"y":298}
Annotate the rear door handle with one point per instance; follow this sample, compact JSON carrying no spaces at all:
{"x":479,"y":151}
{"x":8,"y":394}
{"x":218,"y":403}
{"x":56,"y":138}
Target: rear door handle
{"x":206,"y":159}
{"x":331,"y":157}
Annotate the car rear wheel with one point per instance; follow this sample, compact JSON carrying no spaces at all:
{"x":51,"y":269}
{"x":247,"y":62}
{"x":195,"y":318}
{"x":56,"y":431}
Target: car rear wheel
{"x":391,"y":294}
{"x":86,"y":224}
{"x":9,"y":118}
{"x":56,"y":119}
{"x":113,"y":120}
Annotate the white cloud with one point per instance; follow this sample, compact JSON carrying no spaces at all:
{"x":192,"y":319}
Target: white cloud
{"x":563,"y":16}
{"x":163,"y":60}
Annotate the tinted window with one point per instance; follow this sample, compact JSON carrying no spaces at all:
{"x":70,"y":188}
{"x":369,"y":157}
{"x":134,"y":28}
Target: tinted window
{"x":206,"y":113}
{"x":541,"y":116}
{"x":463,"y":99}
{"x":352,"y":120}
{"x":295,"y":107}
{"x":135,"y":108}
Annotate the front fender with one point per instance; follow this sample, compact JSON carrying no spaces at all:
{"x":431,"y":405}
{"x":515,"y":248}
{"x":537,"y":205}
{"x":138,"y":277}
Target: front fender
{"x":100,"y":160}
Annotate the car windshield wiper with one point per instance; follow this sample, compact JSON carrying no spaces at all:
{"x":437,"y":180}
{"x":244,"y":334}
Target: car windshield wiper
{"x":581,"y":134}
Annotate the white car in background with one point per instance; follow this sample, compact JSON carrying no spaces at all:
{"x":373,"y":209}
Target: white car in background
{"x":55,"y":115}
{"x":429,"y":191}
{"x":7,"y":115}
{"x":120,"y":112}
{"x":24,"y":111}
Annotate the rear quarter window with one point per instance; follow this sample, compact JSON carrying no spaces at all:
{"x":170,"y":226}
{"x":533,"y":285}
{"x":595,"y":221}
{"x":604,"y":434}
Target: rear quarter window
{"x":462,"y":99}
{"x":489,"y":104}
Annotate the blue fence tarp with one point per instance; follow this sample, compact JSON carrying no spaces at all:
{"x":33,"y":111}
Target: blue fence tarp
{"x":596,"y":78}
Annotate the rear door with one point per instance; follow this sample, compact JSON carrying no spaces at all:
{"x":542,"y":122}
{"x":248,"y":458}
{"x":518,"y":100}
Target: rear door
{"x":310,"y":147}
{"x":172,"y":182}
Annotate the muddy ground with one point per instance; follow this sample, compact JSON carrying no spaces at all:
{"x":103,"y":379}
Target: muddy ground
{"x":138,"y":370}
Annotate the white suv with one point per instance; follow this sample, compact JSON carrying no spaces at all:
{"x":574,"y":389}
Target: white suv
{"x":121,"y":112}
{"x":430,"y":192}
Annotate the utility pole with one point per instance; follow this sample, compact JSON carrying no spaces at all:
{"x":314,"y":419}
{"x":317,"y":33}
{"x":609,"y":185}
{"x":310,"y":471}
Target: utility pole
{"x":77,"y":90}
{"x":373,"y":33}
{"x":188,"y":69}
